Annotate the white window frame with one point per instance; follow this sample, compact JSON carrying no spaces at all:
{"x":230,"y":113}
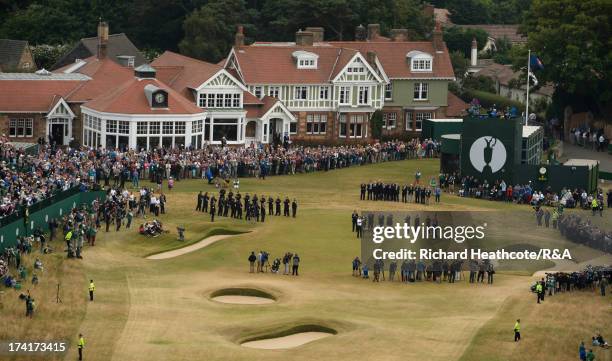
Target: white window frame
{"x":324,"y":93}
{"x":306,"y":62}
{"x":389,"y":91}
{"x":351,"y":129}
{"x":26,"y":125}
{"x":258,"y":91}
{"x":220,"y":100}
{"x":316,"y":122}
{"x":274,"y":91}
{"x":421,"y":91}
{"x":297,"y":92}
{"x":363,"y":97}
{"x":388,"y":119}
{"x":342,"y":121}
{"x":419,"y":118}
{"x":421,"y":63}
{"x":408,"y":119}
{"x":344,"y":92}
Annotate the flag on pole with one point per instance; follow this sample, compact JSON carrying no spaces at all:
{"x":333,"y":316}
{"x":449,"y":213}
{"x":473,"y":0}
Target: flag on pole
{"x":536,"y":63}
{"x":533,"y":78}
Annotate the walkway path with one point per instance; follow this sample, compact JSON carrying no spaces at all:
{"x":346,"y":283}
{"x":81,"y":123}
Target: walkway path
{"x":574,"y":151}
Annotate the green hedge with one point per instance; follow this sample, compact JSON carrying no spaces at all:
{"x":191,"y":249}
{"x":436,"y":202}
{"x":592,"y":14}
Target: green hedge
{"x":488,"y":99}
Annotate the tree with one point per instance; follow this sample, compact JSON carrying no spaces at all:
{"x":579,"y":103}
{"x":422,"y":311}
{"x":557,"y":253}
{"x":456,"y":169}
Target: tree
{"x":63,"y":21}
{"x":573,"y":40}
{"x":479,"y":82}
{"x":47,"y":55}
{"x":159,"y":24}
{"x":501,"y":53}
{"x":469,"y":12}
{"x":209,"y":31}
{"x":460,"y":39}
{"x":460,"y":63}
{"x":377,"y":124}
{"x":486,"y":11}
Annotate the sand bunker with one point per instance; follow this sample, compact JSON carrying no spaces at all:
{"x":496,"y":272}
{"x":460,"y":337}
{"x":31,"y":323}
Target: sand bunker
{"x":194,"y":247}
{"x":242,"y":296}
{"x":243,"y":300}
{"x":285,"y":342}
{"x":293,"y":337}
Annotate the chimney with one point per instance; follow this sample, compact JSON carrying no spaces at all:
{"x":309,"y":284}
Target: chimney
{"x":360,"y":33}
{"x":399,"y":34}
{"x":474,"y":57}
{"x":371,"y":58}
{"x":373,"y":31}
{"x":318,"y":33}
{"x":102,"y":39}
{"x":239,"y":37}
{"x":438,"y":42}
{"x":303,"y":38}
{"x":428,"y":10}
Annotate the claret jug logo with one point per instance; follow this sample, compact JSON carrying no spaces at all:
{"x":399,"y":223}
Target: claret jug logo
{"x":488,"y":154}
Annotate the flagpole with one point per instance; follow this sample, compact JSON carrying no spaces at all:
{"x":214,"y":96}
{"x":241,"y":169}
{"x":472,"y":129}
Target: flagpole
{"x":527,"y":100}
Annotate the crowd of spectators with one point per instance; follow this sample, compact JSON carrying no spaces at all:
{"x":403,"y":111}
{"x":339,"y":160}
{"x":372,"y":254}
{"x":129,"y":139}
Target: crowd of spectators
{"x":470,"y":186}
{"x":26,"y":179}
{"x":594,"y":139}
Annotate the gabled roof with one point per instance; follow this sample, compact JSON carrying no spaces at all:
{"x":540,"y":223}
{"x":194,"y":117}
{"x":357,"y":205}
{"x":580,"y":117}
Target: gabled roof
{"x":11,"y":52}
{"x":118,"y":44}
{"x":183,"y":73}
{"x":130,"y":98}
{"x":269,"y":63}
{"x":33,"y":96}
{"x":266,"y":104}
{"x":392,"y":56}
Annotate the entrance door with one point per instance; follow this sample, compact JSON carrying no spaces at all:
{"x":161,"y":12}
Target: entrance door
{"x":57,"y":134}
{"x":276,"y":131}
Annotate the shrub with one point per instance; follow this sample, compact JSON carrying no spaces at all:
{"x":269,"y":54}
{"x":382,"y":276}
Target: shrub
{"x":488,"y":99}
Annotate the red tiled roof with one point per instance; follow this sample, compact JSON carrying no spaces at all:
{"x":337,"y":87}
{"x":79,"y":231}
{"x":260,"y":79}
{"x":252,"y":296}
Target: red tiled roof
{"x":258,"y":110}
{"x":249,"y":98}
{"x":183,"y":73}
{"x":130,"y":98}
{"x":496,"y":32}
{"x":33,"y":95}
{"x":105,"y":75}
{"x":392,"y":56}
{"x":456,"y":107}
{"x":274,"y":64}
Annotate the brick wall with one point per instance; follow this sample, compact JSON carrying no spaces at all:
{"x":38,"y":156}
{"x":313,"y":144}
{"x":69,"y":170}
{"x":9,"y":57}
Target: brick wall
{"x":39,"y":126}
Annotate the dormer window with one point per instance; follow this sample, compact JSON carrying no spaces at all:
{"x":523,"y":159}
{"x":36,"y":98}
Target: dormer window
{"x":305,"y":59}
{"x":420,"y":61}
{"x":306,"y":63}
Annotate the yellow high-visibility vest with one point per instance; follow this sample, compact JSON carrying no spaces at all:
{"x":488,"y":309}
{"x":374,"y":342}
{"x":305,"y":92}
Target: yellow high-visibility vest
{"x":539,"y":287}
{"x":92,"y":287}
{"x":81,"y":342}
{"x":517,"y":327}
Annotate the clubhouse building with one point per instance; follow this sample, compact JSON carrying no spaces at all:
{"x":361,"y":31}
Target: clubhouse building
{"x":308,"y":90}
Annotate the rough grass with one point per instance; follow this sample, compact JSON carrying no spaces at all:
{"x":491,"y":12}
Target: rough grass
{"x":154,"y":311}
